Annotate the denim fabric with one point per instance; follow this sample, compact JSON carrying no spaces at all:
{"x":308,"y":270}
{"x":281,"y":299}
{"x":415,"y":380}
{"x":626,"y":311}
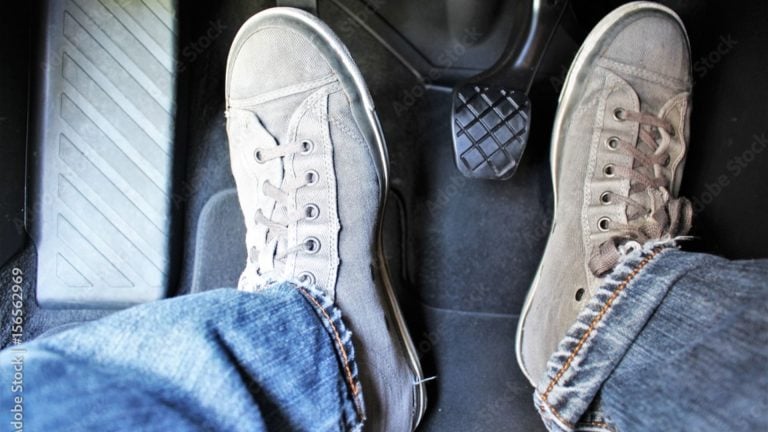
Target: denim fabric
{"x":672,"y":341}
{"x":225,"y":360}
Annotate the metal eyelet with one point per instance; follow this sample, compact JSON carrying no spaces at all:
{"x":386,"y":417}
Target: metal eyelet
{"x":604,"y":224}
{"x":609,"y":170}
{"x":258,"y":156}
{"x":620,"y":114}
{"x":580,"y":294}
{"x":311,"y":211}
{"x":311,"y":245}
{"x":311,"y":177}
{"x":307,"y":147}
{"x":306,"y":278}
{"x":612,"y":142}
{"x":605,"y":198}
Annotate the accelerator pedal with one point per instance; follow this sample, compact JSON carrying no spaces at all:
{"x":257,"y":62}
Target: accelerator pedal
{"x":492,"y":112}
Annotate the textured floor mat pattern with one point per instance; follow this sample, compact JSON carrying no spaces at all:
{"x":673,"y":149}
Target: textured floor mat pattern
{"x":104,"y":154}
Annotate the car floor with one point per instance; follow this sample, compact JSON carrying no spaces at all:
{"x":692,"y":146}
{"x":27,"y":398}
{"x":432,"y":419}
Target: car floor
{"x":463,"y":252}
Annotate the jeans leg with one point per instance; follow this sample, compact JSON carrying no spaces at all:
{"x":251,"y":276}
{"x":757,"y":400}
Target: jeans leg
{"x":672,"y":341}
{"x":280,"y":359}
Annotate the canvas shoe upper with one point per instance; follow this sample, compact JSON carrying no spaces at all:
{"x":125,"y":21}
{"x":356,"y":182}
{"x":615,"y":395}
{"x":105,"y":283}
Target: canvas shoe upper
{"x":310,"y":165}
{"x":618,"y":150}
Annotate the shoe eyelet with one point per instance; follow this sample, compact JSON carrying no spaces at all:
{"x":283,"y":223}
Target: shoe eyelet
{"x":620,"y":114}
{"x":604,"y":224}
{"x":311,"y":245}
{"x":609,"y":170}
{"x":672,"y":133}
{"x":306,"y":278}
{"x":612,"y":142}
{"x":311,"y":211}
{"x":307,"y":147}
{"x":311,"y":177}
{"x":258,"y":156}
{"x":580,"y":294}
{"x":605,"y":198}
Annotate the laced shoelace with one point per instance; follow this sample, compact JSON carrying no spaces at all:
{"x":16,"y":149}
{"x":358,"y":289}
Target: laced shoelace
{"x":663,"y":214}
{"x":271,"y":258}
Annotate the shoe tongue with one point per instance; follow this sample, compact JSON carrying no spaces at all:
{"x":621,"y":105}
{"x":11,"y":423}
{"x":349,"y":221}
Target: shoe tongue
{"x":639,"y":192}
{"x":654,"y":200}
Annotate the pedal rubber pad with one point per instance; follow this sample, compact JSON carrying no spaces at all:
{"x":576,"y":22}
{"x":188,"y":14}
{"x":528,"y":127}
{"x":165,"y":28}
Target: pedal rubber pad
{"x":490,"y":130}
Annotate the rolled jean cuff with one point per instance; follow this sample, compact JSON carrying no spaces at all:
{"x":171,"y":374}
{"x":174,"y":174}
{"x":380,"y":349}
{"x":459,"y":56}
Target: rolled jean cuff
{"x":331,"y":317}
{"x":602,"y":334}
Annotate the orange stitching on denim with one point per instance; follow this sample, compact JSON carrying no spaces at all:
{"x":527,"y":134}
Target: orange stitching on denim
{"x":571,"y":425}
{"x":555,"y":413}
{"x":596,"y":321}
{"x":355,"y":389}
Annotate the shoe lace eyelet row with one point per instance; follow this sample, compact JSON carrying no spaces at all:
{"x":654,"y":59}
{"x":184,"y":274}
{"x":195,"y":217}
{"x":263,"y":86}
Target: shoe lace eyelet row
{"x":311,"y":245}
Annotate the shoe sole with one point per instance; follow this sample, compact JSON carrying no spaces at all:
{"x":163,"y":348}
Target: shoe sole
{"x":363,"y":111}
{"x":566,"y":102}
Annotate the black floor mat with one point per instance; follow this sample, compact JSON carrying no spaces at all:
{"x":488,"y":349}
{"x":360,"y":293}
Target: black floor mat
{"x":476,"y":389}
{"x":220,"y":242}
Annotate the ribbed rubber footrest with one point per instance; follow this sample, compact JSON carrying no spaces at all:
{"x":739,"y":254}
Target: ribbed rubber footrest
{"x":103,"y":158}
{"x":490,"y":130}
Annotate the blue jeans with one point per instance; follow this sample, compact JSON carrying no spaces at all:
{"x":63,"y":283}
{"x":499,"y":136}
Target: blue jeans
{"x":674,"y":341}
{"x":279,"y":360}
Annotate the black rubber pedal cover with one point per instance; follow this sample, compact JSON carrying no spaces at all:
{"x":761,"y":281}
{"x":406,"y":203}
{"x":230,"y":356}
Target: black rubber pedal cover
{"x":490,"y":130}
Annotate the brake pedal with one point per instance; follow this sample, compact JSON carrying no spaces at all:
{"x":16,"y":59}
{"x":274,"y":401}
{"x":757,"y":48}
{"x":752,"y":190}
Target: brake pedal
{"x":492,"y":112}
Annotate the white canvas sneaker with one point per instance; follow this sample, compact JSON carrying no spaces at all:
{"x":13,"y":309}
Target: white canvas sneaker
{"x":618,"y":148}
{"x":310,"y":164}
